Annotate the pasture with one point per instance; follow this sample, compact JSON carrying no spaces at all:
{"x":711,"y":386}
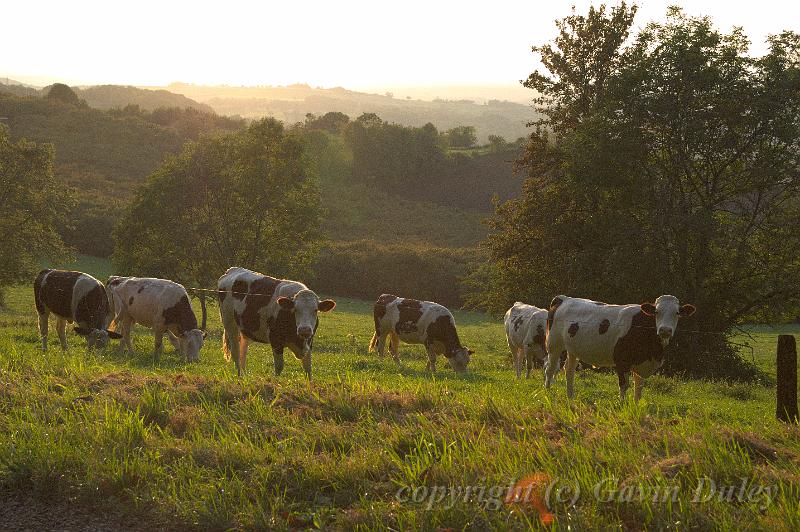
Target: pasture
{"x":190,"y":446}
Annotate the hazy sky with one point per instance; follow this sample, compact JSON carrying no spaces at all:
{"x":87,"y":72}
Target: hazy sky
{"x":369,"y":44}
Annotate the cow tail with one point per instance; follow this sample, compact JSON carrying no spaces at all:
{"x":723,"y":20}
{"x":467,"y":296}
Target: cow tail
{"x":37,"y":291}
{"x":226,"y":348}
{"x":374,"y":342}
{"x":551,"y":311}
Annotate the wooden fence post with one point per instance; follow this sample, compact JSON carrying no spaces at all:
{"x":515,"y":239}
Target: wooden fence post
{"x":787,"y":379}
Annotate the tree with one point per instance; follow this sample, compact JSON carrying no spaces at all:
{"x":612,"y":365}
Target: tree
{"x":62,"y":93}
{"x":461,"y":137}
{"x":497,"y":144}
{"x":668,"y":165}
{"x":32,"y":203}
{"x":242,"y":199}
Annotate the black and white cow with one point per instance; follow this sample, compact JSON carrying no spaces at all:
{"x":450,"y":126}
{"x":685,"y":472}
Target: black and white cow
{"x":418,"y":322}
{"x":160,"y":305}
{"x":526,"y":332}
{"x":629,"y":338}
{"x":264,"y":309}
{"x":73,"y":297}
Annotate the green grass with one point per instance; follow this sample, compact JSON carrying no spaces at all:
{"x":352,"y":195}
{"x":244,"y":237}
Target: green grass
{"x":191,"y":446}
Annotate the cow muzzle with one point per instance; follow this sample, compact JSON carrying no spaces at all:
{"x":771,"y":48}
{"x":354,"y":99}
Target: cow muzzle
{"x":304,"y":332}
{"x":665,"y":334}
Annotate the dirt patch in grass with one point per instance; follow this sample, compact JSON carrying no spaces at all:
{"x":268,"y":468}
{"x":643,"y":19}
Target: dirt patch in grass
{"x":24,"y":511}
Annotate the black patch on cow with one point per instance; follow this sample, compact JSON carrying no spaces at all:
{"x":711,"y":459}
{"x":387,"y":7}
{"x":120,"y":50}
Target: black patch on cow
{"x":518,"y":321}
{"x":410,"y":312}
{"x":573,"y":329}
{"x":379,"y":309}
{"x":283,"y":332}
{"x":180,"y":316}
{"x":551,"y":311}
{"x":604,"y":325}
{"x":92,"y":309}
{"x":639,"y":344}
{"x":55,"y":292}
{"x":130,"y":301}
{"x":443,"y":330}
{"x":140,"y":290}
{"x":540,"y":337}
{"x":239,"y":289}
{"x":258,"y":296}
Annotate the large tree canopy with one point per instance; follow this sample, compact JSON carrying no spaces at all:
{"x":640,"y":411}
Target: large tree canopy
{"x":243,"y":199}
{"x":32,"y":203}
{"x":666,"y":163}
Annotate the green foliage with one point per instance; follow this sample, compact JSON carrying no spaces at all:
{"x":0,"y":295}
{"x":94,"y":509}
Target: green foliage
{"x":670,"y":165}
{"x":241,"y":199}
{"x":365,"y":269}
{"x":104,"y":155}
{"x":32,"y":203}
{"x":411,"y":163}
{"x":62,"y":93}
{"x":461,"y":137}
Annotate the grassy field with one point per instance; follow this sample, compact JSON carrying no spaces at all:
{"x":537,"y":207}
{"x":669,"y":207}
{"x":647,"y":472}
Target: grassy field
{"x":369,"y":445}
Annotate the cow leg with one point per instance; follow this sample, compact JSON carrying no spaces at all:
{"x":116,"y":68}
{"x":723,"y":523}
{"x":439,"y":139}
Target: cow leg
{"x":517,"y":354}
{"x":306,"y":360}
{"x":43,"y":323}
{"x":277,"y":359}
{"x":638,"y":384}
{"x":394,"y":347}
{"x":431,"y":359}
{"x":127,"y":327}
{"x":61,"y":328}
{"x":551,"y":368}
{"x":569,"y":369}
{"x":242,"y":355}
{"x":380,"y":344}
{"x":529,"y":359}
{"x":622,"y":375}
{"x":158,"y":344}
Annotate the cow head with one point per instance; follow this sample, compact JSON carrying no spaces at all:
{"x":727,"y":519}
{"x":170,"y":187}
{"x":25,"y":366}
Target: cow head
{"x":97,"y":337}
{"x":190,"y":344}
{"x":667,"y":310}
{"x":460,"y":358}
{"x":305,"y":304}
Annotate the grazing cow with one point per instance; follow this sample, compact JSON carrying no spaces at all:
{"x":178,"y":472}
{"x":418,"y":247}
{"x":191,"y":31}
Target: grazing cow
{"x":73,"y":297}
{"x":160,"y":305}
{"x":526,"y":332}
{"x":418,"y":322}
{"x":263,"y":309}
{"x":629,"y":338}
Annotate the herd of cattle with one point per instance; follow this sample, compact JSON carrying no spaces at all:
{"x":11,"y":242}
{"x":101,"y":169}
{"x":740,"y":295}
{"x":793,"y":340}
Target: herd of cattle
{"x":259,"y":308}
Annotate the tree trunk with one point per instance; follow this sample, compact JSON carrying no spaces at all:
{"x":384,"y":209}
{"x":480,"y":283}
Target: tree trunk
{"x":787,"y":379}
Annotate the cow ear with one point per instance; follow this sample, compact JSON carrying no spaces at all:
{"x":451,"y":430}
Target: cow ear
{"x":285,"y":303}
{"x":686,"y":310}
{"x":113,"y":334}
{"x":326,"y":305}
{"x":83,"y":331}
{"x":648,"y":308}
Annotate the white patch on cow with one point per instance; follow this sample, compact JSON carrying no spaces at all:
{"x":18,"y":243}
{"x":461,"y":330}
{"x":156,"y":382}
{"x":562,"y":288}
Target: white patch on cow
{"x":520,"y":334}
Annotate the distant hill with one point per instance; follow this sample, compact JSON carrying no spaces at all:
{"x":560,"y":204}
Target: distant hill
{"x":110,"y":96}
{"x":291,"y":104}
